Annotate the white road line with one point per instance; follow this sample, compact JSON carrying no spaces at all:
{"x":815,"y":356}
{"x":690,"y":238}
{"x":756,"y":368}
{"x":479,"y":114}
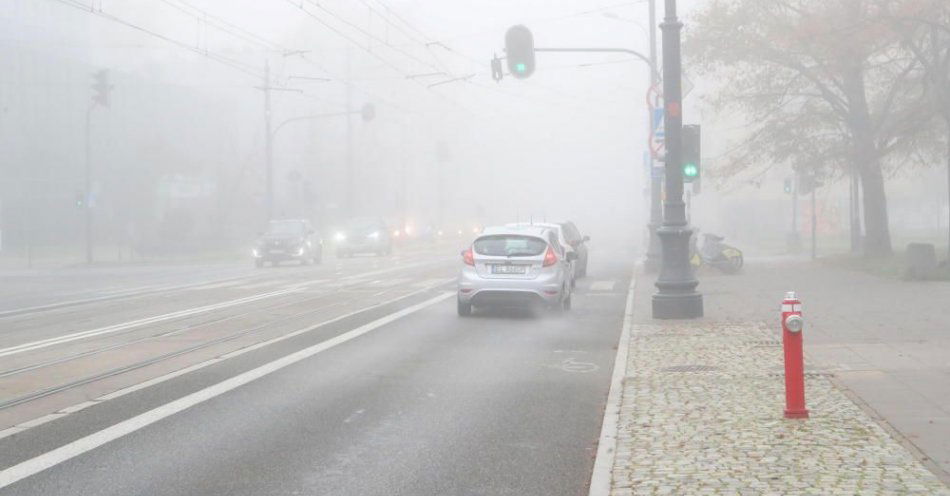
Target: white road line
{"x":602,"y":285}
{"x":385,"y":283}
{"x":211,"y":361}
{"x":214,"y":285}
{"x":66,"y":452}
{"x":35,"y":345}
{"x":602,"y":475}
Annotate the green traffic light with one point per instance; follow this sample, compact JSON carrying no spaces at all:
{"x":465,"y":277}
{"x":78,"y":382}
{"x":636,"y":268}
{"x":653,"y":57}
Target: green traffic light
{"x":690,"y":170}
{"x":521,"y":67}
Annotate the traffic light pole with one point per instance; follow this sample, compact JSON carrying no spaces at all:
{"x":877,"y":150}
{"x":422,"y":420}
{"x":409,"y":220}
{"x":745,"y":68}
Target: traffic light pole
{"x":87,"y":187}
{"x":653,"y":258}
{"x":268,"y":145}
{"x":676,"y":297}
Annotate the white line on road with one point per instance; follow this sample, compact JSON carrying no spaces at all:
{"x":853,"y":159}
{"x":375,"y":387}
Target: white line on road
{"x":35,"y":345}
{"x":602,"y":285}
{"x":66,"y":452}
{"x":600,"y":480}
{"x":215,"y":285}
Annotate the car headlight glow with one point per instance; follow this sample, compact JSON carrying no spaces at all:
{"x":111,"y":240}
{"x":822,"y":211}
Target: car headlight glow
{"x":373,"y":235}
{"x":340,"y":236}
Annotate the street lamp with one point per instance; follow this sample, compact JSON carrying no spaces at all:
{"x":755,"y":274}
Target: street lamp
{"x":676,"y":297}
{"x":653,"y":255}
{"x":367,"y":112}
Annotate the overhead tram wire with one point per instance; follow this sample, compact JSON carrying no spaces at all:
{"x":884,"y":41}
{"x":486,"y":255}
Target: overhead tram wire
{"x":388,"y":63}
{"x":424,"y":40}
{"x":220,"y":24}
{"x":369,"y":34}
{"x":234,"y":64}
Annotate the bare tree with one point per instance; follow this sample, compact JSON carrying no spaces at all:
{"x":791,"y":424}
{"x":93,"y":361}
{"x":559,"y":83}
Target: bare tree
{"x":925,"y":28}
{"x":825,"y":84}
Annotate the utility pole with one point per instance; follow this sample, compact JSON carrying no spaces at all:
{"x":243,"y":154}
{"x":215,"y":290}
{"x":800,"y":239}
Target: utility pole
{"x":268,"y":144}
{"x":350,"y":172}
{"x":854,"y":212}
{"x":102,"y":90}
{"x":676,"y":297}
{"x":87,"y":188}
{"x":794,"y":239}
{"x":814,"y":225}
{"x":653,"y":260}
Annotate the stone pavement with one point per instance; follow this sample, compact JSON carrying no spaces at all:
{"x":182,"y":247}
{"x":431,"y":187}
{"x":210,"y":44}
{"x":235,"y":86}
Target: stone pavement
{"x":702,"y":414}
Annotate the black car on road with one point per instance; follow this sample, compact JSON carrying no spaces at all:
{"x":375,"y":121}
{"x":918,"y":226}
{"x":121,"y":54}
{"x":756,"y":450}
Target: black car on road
{"x":363,"y":235}
{"x":286,"y":241}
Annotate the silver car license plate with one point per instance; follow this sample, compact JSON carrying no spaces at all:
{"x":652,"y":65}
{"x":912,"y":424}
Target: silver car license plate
{"x":509,"y":269}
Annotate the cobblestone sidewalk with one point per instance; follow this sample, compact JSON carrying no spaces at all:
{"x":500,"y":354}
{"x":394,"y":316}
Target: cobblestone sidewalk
{"x":702,"y":414}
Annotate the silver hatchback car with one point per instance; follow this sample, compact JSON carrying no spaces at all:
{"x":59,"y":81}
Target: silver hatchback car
{"x":515,"y":266}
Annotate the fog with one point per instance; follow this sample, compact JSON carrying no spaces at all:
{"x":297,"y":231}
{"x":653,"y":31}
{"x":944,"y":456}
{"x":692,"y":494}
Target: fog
{"x":178,"y":158}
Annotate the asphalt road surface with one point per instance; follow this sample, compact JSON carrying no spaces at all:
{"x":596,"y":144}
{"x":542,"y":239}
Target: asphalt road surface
{"x":353,"y":377}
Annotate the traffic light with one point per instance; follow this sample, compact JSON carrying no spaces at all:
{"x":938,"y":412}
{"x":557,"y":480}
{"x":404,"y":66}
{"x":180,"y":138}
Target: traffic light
{"x":692,"y":150}
{"x":101,"y":87}
{"x":80,"y":199}
{"x":788,"y":185}
{"x":519,"y":47}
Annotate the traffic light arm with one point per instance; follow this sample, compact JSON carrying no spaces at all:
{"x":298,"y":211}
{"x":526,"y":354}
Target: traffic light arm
{"x":312,"y":117}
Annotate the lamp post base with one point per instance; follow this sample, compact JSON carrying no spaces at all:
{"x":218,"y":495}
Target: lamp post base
{"x":654,"y":258}
{"x":677,"y":306}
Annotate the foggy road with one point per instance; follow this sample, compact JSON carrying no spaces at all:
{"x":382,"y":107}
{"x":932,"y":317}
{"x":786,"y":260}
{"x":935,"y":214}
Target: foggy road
{"x":506,"y":247}
{"x":422,"y":403}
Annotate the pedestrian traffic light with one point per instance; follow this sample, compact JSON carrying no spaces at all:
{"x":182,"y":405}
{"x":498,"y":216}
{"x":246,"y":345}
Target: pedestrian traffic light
{"x":101,"y":87}
{"x":519,"y":49}
{"x":692,"y":149}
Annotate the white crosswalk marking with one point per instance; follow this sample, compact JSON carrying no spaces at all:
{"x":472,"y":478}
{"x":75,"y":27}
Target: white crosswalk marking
{"x":602,"y":285}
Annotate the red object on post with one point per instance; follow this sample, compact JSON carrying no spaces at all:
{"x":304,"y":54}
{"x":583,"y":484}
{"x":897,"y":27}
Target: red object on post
{"x":792,"y":325}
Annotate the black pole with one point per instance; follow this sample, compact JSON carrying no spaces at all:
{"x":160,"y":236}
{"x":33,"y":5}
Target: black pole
{"x":87,"y":188}
{"x":676,"y":297}
{"x":814,"y":226}
{"x":652,"y":262}
{"x":268,"y":146}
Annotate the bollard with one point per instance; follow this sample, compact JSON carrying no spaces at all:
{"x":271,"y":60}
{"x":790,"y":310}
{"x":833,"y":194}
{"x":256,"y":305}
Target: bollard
{"x":792,"y":324}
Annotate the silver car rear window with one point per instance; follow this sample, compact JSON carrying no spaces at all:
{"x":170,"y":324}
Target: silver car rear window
{"x":509,"y":245}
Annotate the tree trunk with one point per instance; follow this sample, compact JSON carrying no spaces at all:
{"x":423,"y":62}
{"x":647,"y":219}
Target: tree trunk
{"x":867,"y":161}
{"x":877,"y":240}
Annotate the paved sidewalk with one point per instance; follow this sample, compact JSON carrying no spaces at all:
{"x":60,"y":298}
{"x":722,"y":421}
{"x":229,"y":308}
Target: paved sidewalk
{"x":702,"y":414}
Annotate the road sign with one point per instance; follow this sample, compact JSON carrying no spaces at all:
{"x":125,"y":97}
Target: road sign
{"x":658,"y":134}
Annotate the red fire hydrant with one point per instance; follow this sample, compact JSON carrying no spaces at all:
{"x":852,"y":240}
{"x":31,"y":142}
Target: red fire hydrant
{"x":792,"y":325}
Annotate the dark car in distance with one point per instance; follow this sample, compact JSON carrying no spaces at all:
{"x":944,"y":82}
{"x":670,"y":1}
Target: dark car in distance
{"x":286,"y":241}
{"x":363,"y":235}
